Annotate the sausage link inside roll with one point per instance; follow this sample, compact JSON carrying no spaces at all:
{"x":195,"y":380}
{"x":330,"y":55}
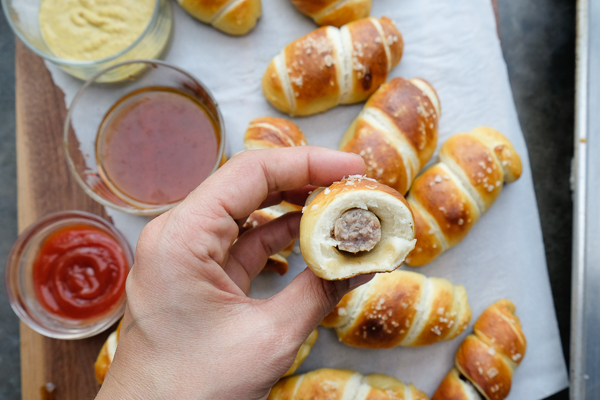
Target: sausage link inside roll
{"x":356,"y":226}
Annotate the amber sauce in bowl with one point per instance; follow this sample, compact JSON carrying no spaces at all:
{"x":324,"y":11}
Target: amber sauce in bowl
{"x":155,"y":145}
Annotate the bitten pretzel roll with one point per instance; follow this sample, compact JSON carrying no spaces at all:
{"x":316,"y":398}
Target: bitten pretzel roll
{"x":334,"y":12}
{"x":107,"y":354}
{"x":487,"y":359}
{"x":343,"y":384}
{"x":272,"y":133}
{"x":332,"y":66}
{"x":355,"y":226}
{"x":235,"y":17}
{"x":450,"y":196}
{"x":397,"y":131}
{"x":401,"y":308}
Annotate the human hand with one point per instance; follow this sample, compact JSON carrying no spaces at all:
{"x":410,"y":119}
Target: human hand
{"x":190,"y":331}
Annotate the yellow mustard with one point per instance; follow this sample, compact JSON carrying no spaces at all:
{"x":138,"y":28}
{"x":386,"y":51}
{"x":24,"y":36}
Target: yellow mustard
{"x":93,"y":29}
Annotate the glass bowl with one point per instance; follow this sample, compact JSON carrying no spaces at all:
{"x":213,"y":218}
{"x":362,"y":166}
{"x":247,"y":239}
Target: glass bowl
{"x":19,"y":280}
{"x":87,"y":112}
{"x":23,"y":18}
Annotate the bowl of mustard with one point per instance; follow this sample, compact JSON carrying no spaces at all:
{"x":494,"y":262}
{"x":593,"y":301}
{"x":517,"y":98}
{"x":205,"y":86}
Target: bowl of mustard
{"x":84,"y":37}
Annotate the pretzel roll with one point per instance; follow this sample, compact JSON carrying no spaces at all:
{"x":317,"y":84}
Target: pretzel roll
{"x":397,"y":131}
{"x":400,"y":309}
{"x":303,"y":352}
{"x":334,"y":12}
{"x":343,"y":384}
{"x":277,"y":262}
{"x":271,"y":133}
{"x":455,"y":388}
{"x":487,"y":359}
{"x":332,"y":66}
{"x":355,"y":226}
{"x":235,"y":17}
{"x":449,"y":197}
{"x":496,"y":348}
{"x":106,"y":355}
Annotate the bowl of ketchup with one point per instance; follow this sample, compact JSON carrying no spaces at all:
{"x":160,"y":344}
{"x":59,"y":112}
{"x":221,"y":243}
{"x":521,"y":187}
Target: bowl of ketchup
{"x":65,"y":275}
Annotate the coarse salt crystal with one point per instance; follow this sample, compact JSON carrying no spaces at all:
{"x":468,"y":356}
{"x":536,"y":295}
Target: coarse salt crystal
{"x":492,"y":372}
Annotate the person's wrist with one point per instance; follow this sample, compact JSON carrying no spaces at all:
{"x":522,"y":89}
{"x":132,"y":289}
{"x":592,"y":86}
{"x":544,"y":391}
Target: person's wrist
{"x":127,"y":382}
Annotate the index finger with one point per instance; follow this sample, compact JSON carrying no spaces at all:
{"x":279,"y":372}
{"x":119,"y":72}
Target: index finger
{"x":241,"y":185}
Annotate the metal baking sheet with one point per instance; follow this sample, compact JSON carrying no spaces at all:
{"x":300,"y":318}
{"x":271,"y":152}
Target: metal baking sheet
{"x":585,"y":320}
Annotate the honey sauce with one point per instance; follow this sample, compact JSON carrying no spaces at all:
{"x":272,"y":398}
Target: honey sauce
{"x":156,"y":145}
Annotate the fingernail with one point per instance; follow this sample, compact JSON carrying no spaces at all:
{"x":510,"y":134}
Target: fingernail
{"x":356,"y":281}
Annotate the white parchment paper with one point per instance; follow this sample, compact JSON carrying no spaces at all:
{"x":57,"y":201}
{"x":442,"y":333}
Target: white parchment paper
{"x":453,"y":45}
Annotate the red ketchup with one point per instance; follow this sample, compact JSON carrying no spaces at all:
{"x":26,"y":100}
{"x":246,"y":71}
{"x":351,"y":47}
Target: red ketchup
{"x":80,"y":272}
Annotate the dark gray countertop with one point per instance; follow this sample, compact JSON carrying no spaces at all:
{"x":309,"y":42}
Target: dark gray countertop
{"x":538,"y":41}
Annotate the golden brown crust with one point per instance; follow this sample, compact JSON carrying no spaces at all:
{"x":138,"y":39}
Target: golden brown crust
{"x":269,"y":132}
{"x":303,"y":352}
{"x":452,"y":388}
{"x":334,"y":12}
{"x":383,"y":161}
{"x":277,"y":262}
{"x":413,"y":114}
{"x":500,"y":328}
{"x":330,"y":384}
{"x":338,"y":315}
{"x":238,"y":16}
{"x":385,"y":387}
{"x":439,"y":194}
{"x":428,"y":245}
{"x":103,"y":360}
{"x":315,"y":73}
{"x":204,"y":10}
{"x":324,"y":384}
{"x":396,"y":133}
{"x":503,"y":149}
{"x":383,"y":312}
{"x":349,"y":11}
{"x":369,"y":58}
{"x":476,"y":161}
{"x":394,"y":40}
{"x":488,"y":372}
{"x":460,"y":187}
{"x":386,"y":314}
{"x":273,"y":89}
{"x":312,"y":7}
{"x":312,"y":67}
{"x":102,"y":364}
{"x":487,"y":358}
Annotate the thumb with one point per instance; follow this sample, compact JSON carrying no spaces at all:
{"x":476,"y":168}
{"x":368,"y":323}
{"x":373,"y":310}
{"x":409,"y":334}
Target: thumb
{"x":303,"y":304}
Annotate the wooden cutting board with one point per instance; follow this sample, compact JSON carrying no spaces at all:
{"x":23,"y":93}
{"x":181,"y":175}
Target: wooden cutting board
{"x":44,"y":185}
